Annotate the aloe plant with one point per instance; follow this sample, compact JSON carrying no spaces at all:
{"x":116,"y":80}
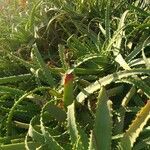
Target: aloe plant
{"x":100,"y":49}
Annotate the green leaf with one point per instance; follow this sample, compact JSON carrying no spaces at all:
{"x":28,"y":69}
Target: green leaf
{"x":142,"y":144}
{"x":137,"y":62}
{"x":144,"y":43}
{"x":43,"y":66}
{"x":92,"y":143}
{"x":18,"y":146}
{"x":140,"y":84}
{"x":107,"y":80}
{"x":34,"y":133}
{"x":83,"y":138}
{"x":54,"y":111}
{"x":107,"y":19}
{"x":12,"y":91}
{"x":49,"y":140}
{"x":51,"y":143}
{"x":62,"y":56}
{"x":136,"y":127}
{"x":11,"y":113}
{"x":117,"y":44}
{"x":72,"y":127}
{"x":103,"y":122}
{"x":79,"y":139}
{"x":14,"y":79}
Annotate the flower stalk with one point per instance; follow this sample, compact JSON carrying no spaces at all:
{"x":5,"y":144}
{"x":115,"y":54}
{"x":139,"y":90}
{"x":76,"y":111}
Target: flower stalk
{"x":68,"y":89}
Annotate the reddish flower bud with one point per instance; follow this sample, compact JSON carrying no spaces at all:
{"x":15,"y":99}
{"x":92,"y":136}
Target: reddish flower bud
{"x":68,"y":78}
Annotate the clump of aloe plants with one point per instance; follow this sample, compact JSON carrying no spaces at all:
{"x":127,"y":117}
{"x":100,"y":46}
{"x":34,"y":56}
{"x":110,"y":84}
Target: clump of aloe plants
{"x":75,"y":75}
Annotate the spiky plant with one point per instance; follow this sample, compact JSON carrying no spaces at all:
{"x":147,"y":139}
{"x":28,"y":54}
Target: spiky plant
{"x":100,"y":49}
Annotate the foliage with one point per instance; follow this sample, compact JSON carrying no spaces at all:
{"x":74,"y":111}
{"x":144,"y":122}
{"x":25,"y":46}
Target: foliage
{"x":75,"y":75}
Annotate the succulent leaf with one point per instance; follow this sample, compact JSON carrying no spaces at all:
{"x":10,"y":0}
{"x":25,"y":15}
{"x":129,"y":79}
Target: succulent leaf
{"x":136,"y":127}
{"x":103,"y":122}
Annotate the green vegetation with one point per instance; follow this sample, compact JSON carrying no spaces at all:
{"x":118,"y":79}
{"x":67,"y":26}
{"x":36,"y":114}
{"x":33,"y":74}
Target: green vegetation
{"x":75,"y":75}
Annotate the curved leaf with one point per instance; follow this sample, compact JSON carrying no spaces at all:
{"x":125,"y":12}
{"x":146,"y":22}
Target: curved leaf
{"x":136,"y":127}
{"x":107,"y":80}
